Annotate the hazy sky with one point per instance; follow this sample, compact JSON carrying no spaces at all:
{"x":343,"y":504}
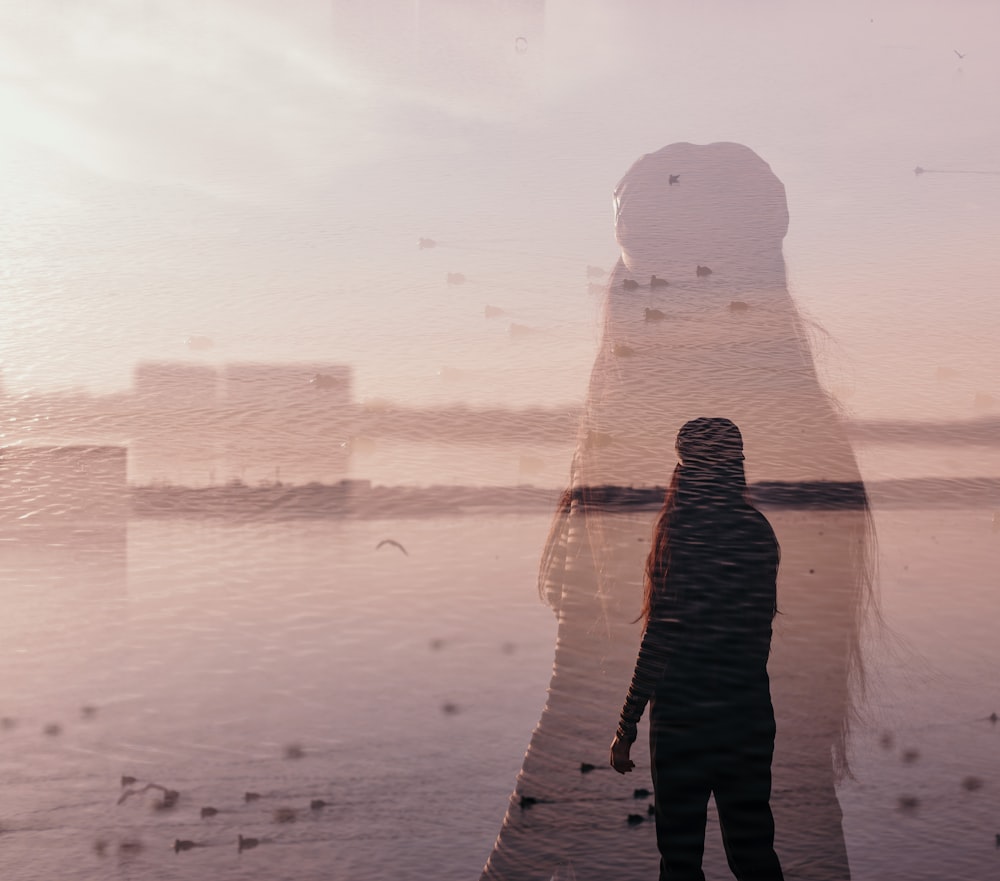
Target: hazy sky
{"x":260,"y":172}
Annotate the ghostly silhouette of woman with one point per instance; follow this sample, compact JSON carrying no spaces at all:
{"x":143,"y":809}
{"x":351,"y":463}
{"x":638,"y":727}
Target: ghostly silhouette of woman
{"x":710,"y":597}
{"x":723,"y":337}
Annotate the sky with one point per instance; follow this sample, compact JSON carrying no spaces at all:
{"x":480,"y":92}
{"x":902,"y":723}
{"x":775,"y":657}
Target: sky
{"x":259,"y":173}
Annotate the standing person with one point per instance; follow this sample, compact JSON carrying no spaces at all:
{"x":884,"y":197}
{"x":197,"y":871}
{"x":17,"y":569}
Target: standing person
{"x":710,"y":596}
{"x":723,"y":335}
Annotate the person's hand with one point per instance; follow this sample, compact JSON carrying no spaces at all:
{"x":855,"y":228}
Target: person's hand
{"x":619,"y":755}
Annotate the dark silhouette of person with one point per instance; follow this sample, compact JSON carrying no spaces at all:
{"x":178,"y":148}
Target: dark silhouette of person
{"x":754,"y":365}
{"x":710,"y":595}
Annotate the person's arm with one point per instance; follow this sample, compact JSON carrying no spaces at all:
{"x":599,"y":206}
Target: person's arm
{"x":654,"y":655}
{"x":658,"y":641}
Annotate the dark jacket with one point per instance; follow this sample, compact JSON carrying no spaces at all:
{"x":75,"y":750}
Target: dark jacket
{"x":704,"y":651}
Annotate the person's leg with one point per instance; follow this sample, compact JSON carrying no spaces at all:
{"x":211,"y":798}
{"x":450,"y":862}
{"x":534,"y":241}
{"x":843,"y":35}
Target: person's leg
{"x":681,"y":784}
{"x":742,"y":795}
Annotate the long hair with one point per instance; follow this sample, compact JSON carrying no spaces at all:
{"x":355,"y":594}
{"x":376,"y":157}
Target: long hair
{"x":701,"y":493}
{"x":658,"y":561}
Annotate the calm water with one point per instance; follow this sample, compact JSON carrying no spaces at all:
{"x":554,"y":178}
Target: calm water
{"x":287,"y":635}
{"x":411,"y":684}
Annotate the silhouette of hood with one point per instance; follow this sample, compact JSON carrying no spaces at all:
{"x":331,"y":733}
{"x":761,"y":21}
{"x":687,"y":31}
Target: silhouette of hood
{"x":709,"y":441}
{"x":712,"y":205}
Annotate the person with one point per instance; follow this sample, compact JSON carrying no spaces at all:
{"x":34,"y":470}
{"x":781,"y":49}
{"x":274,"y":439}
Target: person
{"x":710,"y":597}
{"x":726,"y":213}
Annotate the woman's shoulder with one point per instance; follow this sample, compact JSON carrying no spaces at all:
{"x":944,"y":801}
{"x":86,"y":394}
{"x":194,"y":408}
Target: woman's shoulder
{"x":751,"y":529}
{"x":760,"y":521}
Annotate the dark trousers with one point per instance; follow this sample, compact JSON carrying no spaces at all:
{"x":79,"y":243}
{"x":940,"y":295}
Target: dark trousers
{"x":693,"y":760}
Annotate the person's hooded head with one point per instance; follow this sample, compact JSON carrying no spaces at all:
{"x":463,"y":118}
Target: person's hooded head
{"x":718,"y":206}
{"x":710,"y":470}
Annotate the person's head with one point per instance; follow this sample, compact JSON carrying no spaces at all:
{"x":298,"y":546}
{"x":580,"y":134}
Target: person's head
{"x":709,"y":442}
{"x":708,"y":481}
{"x":717,"y":205}
{"x":710,"y":471}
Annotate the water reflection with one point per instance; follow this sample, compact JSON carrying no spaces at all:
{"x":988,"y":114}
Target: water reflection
{"x":710,"y":221}
{"x":63,"y":517}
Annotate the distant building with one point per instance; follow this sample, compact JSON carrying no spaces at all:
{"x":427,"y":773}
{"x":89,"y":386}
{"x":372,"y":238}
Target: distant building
{"x":175,"y":385}
{"x":288,"y":422}
{"x":250,"y":422}
{"x":318,"y":387}
{"x":176,"y":436}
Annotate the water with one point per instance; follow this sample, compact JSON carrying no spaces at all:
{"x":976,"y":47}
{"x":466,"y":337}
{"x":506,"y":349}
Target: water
{"x":299,"y":634}
{"x":411,"y":684}
{"x":933,"y":696}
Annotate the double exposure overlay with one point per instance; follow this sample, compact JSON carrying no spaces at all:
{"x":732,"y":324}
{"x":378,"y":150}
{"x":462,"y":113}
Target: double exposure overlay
{"x":502,"y":439}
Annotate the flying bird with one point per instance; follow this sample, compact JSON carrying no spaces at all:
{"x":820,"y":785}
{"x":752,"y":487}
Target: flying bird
{"x":959,"y":54}
{"x":394,"y":543}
